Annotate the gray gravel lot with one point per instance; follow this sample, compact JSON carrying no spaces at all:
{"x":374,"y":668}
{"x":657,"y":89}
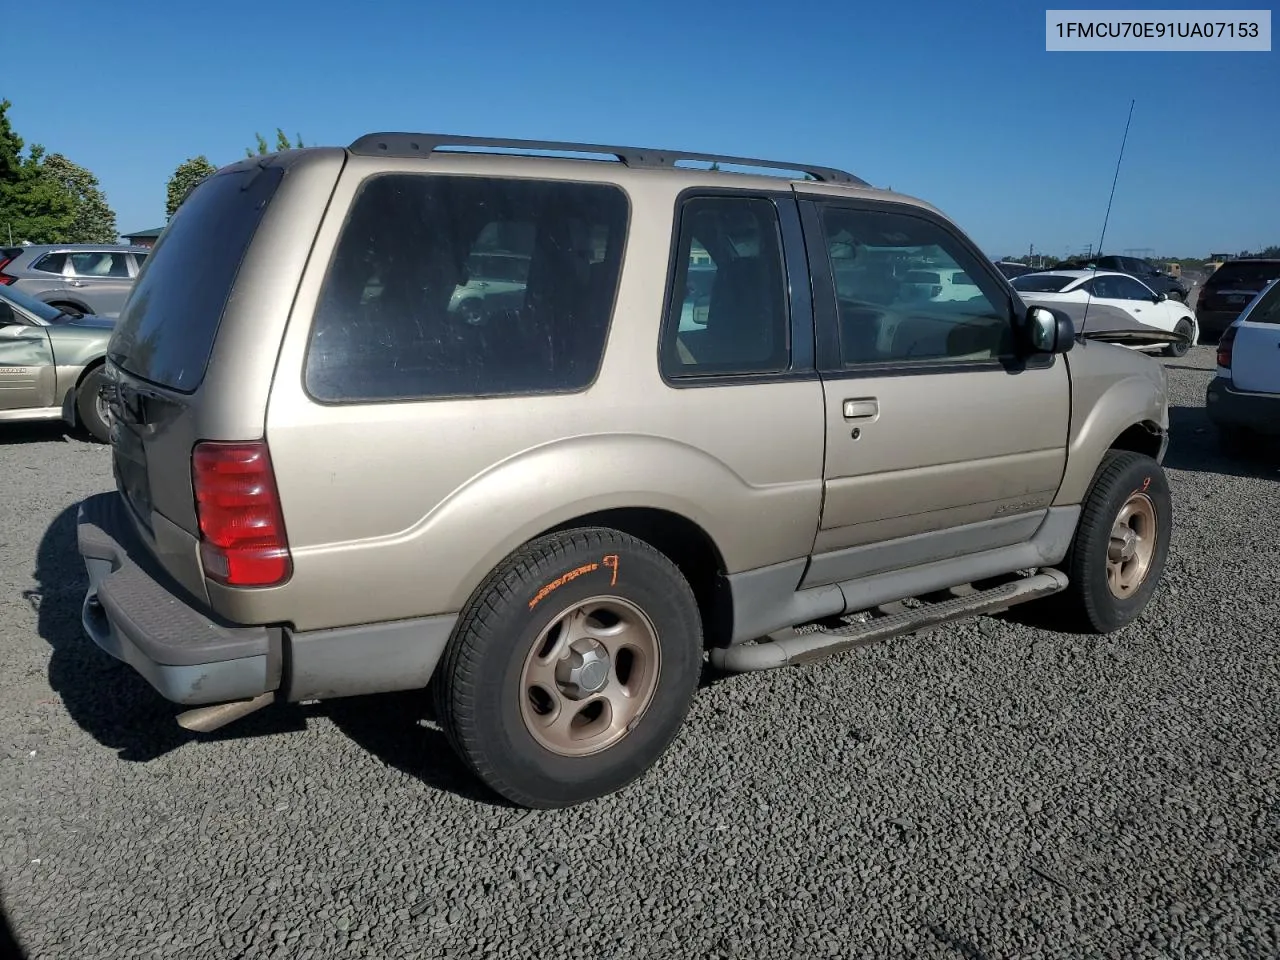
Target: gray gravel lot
{"x":983,"y":791}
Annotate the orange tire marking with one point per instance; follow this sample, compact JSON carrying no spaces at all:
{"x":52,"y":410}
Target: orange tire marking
{"x":560,"y":581}
{"x":611,"y":561}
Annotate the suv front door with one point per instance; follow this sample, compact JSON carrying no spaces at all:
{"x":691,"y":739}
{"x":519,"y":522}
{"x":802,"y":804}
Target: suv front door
{"x":937,"y":430}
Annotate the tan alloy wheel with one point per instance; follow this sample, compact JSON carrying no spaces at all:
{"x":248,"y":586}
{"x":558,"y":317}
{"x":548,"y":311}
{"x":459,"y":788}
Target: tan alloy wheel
{"x":1132,"y":545}
{"x":589,"y":676}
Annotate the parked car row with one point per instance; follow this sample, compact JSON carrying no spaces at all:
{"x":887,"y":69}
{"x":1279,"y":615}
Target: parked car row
{"x":1105,"y":300}
{"x":77,"y":279}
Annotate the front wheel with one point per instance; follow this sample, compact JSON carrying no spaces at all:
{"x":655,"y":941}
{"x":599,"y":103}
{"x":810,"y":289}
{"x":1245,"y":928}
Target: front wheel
{"x":1119,"y":551}
{"x":92,"y":408}
{"x":572,"y":668}
{"x":1184,"y":330}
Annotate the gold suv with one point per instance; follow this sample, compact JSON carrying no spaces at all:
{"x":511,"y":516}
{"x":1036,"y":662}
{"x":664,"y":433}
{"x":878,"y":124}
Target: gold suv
{"x":542,"y":434}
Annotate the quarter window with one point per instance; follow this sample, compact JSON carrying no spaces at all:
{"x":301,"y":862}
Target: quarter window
{"x":729,"y":314}
{"x":52,"y":263}
{"x":467,"y":286}
{"x":907,"y":291}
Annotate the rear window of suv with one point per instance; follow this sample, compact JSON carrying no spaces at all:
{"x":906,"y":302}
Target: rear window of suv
{"x":454,"y":286}
{"x":1251,"y":275}
{"x":167,"y":329}
{"x":1267,"y":310}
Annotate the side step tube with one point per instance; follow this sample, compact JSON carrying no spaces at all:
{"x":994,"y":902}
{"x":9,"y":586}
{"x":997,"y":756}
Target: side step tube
{"x":805,"y":648}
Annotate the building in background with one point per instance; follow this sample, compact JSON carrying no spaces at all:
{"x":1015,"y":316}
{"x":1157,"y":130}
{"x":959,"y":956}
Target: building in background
{"x":143,"y":238}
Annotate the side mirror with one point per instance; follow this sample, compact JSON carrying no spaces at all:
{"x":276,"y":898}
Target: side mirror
{"x":1160,"y":297}
{"x":1050,"y":331}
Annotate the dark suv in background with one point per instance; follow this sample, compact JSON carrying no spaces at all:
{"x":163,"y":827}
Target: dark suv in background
{"x":1230,"y":289}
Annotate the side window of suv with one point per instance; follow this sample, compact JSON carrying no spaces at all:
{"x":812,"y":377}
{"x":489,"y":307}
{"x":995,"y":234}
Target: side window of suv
{"x":99,"y":264}
{"x":445,"y":286}
{"x":908,"y":291}
{"x":729,"y":312}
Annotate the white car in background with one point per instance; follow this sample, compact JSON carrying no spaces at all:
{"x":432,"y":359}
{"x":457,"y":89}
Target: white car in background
{"x":1243,"y":399}
{"x":1113,"y":301}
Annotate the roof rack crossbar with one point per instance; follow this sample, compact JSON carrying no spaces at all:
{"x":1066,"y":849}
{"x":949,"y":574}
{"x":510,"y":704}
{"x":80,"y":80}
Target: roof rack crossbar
{"x":422,"y":144}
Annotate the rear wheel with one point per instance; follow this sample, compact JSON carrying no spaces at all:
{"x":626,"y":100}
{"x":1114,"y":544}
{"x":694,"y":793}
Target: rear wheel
{"x":92,"y":408}
{"x":1120,"y":547}
{"x":1184,"y":330}
{"x":572,"y":668}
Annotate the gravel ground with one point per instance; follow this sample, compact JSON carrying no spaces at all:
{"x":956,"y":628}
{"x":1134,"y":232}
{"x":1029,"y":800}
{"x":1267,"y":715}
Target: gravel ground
{"x":984,"y":791}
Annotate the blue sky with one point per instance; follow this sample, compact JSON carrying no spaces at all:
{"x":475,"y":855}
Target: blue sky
{"x":956,"y":103}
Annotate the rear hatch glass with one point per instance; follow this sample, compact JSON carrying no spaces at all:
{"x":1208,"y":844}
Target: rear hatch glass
{"x":166,"y":332}
{"x":1243,"y":276}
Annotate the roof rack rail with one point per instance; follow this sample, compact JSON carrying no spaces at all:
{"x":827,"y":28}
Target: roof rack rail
{"x":422,"y":144}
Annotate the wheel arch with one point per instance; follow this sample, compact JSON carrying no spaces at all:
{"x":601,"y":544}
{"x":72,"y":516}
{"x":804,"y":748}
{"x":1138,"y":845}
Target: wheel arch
{"x":682,"y":541}
{"x":1131,"y":413}
{"x":1146,"y":437}
{"x":80,"y":305}
{"x":69,"y":412}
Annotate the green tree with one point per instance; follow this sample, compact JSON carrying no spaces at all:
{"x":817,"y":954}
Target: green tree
{"x":282,"y":143}
{"x":92,"y":219}
{"x":189,"y":173}
{"x":33,"y":207}
{"x":48,"y":199}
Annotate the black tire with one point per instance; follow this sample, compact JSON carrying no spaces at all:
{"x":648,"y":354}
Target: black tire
{"x":87,"y":406}
{"x":1088,"y":603}
{"x":1183,"y":329}
{"x":478,"y":685}
{"x":68,"y":308}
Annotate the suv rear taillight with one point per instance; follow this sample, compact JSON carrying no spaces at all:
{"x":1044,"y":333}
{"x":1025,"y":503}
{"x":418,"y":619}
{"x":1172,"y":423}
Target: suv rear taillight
{"x":5,"y":279}
{"x":1224,"y":347}
{"x":242,"y":538}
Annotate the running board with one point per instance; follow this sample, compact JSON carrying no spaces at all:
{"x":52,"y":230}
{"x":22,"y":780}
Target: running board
{"x":790,"y":648}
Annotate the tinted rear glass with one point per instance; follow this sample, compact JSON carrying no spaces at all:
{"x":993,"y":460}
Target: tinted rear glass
{"x":1041,"y":282}
{"x":446,"y":286}
{"x":1267,"y":310}
{"x":1249,"y":275}
{"x":167,"y":329}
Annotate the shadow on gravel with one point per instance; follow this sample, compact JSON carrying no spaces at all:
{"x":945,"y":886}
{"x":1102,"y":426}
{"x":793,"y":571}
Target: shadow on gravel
{"x":389,"y":726}
{"x":42,"y":432}
{"x":106,"y":698}
{"x":119,"y":709}
{"x":1193,"y":446}
{"x":961,"y":946}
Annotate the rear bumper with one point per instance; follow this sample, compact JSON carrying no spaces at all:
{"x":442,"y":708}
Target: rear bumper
{"x":1216,"y":321}
{"x":138,"y":614}
{"x":1228,"y":407}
